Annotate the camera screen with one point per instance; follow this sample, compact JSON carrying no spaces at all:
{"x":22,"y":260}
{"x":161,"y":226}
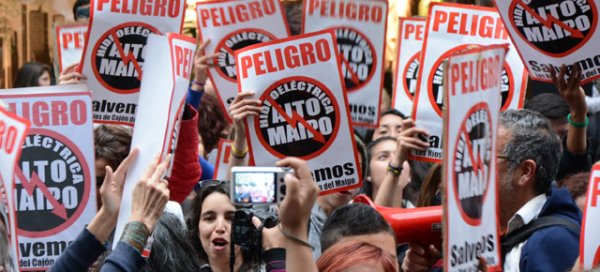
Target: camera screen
{"x":254,"y":187}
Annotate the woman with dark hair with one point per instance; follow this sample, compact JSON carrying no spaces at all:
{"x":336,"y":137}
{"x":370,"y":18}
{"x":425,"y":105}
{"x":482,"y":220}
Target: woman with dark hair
{"x":210,"y":223}
{"x":33,"y":74}
{"x":212,"y":126}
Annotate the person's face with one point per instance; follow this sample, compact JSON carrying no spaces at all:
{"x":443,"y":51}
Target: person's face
{"x":580,"y":201}
{"x":215,"y":226}
{"x":389,"y":125}
{"x":381,"y":155}
{"x":339,"y":199}
{"x":561,"y":126}
{"x":44,"y":79}
{"x":506,"y":188}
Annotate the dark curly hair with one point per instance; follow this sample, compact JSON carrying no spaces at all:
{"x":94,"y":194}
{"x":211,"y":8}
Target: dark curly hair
{"x":211,"y":122}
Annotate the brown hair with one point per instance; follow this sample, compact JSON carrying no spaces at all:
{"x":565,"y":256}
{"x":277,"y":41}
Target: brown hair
{"x":211,"y":122}
{"x":346,"y":254}
{"x":431,"y":186}
{"x":576,"y":184}
{"x":112,"y":142}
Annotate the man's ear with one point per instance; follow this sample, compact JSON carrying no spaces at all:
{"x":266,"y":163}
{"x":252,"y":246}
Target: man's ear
{"x":527,"y":173}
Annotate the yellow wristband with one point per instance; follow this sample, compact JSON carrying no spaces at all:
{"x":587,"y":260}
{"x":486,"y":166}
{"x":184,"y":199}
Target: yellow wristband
{"x":237,"y":153}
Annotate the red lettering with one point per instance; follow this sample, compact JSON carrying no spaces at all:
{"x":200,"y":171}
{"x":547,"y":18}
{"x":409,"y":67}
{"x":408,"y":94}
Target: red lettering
{"x":361,"y":11}
{"x":178,"y":60}
{"x":240,"y":12}
{"x":269,"y":62}
{"x":8,"y":139}
{"x":101,"y":4}
{"x":258,"y":63}
{"x":306,"y":51}
{"x":78,"y":112}
{"x":66,"y":39}
{"x":246,"y":63}
{"x":312,"y":5}
{"x":226,"y":155}
{"x":439,"y":18}
{"x":59,"y":113}
{"x":323,"y":50}
{"x":161,"y":8}
{"x":486,"y":29}
{"x":469,"y":24}
{"x":595,"y":193}
{"x":455,"y":77}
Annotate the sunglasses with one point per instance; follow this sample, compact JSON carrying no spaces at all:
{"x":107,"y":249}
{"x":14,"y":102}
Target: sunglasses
{"x":208,"y":183}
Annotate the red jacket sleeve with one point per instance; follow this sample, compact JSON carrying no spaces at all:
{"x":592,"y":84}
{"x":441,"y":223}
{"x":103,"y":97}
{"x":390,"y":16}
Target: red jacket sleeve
{"x":186,"y":170}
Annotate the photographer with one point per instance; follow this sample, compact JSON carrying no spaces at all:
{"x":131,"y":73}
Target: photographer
{"x":210,"y":228}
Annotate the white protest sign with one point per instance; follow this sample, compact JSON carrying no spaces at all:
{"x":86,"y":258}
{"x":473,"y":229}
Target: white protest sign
{"x":114,"y":52}
{"x":304,"y":107}
{"x":473,"y":84}
{"x":589,"y":250}
{"x":410,"y":40}
{"x":162,"y":98}
{"x":554,"y":33}
{"x":222,"y":164}
{"x":54,"y":183}
{"x":233,"y":25}
{"x":451,"y":28}
{"x":70,"y":40}
{"x":12,"y":134}
{"x":360,"y":28}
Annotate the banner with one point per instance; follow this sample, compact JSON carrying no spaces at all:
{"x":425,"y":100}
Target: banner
{"x":474,"y":81}
{"x":54,"y":183}
{"x":451,"y":28}
{"x":115,"y":52}
{"x":162,"y":98}
{"x":589,"y":250}
{"x":222,"y":163}
{"x":13,"y":130}
{"x":70,"y":40}
{"x":554,"y":33}
{"x":410,"y":40}
{"x":304,"y":107}
{"x":232,"y":25}
{"x":360,"y":28}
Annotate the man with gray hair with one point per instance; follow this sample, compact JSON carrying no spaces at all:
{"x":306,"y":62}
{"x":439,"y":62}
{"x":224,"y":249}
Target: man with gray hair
{"x":541,"y":221}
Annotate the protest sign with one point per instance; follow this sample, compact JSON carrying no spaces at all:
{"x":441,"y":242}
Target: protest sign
{"x":54,"y":183}
{"x":222,"y":164}
{"x":458,"y":27}
{"x":589,"y":249}
{"x":552,"y":33}
{"x":114,"y":52}
{"x":162,"y":98}
{"x":70,"y":40}
{"x":304,"y":107}
{"x":12,"y":134}
{"x":232,"y":25}
{"x":360,"y":28}
{"x":410,"y":40}
{"x":472,"y":96}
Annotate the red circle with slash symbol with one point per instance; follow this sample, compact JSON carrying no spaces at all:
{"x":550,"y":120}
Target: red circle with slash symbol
{"x":299,"y":118}
{"x":471,"y":162}
{"x":50,"y":165}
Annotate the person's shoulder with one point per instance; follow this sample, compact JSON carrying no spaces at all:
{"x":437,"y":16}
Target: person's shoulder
{"x":553,"y":248}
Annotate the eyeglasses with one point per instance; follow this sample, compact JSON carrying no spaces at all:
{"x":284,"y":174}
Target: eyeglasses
{"x":208,"y":183}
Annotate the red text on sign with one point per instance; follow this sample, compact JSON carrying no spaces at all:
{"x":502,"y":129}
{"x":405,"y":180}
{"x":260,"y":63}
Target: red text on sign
{"x":52,"y":113}
{"x":160,"y":8}
{"x":595,"y":193}
{"x":362,"y":11}
{"x":242,"y":12}
{"x":414,"y":32}
{"x":473,"y":76}
{"x":469,"y":24}
{"x":8,"y":137}
{"x":183,"y":61}
{"x":288,"y":57}
{"x":73,"y":40}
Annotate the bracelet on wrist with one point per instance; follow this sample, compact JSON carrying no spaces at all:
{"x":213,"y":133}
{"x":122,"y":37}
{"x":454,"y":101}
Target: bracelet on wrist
{"x":238,"y":154}
{"x":577,"y":124}
{"x":295,"y":239}
{"x":200,"y":84}
{"x":395,"y":170}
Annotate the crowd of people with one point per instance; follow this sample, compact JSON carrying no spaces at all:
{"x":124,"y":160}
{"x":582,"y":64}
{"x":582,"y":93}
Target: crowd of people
{"x":185,"y":222}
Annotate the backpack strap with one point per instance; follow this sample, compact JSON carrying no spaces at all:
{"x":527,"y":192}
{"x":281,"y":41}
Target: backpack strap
{"x":522,"y":234}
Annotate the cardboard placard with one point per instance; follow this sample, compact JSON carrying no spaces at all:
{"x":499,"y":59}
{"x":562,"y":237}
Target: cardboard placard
{"x":232,"y":25}
{"x":54,"y":183}
{"x":304,"y":108}
{"x":360,"y":28}
{"x":70,"y":41}
{"x":13,"y":130}
{"x":162,"y":98}
{"x":410,"y":40}
{"x":451,"y":28}
{"x":474,"y":81}
{"x":222,"y":163}
{"x":114,"y":52}
{"x":589,"y":250}
{"x":554,"y":33}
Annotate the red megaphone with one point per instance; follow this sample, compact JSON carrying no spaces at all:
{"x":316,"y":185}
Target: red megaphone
{"x":417,"y":225}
